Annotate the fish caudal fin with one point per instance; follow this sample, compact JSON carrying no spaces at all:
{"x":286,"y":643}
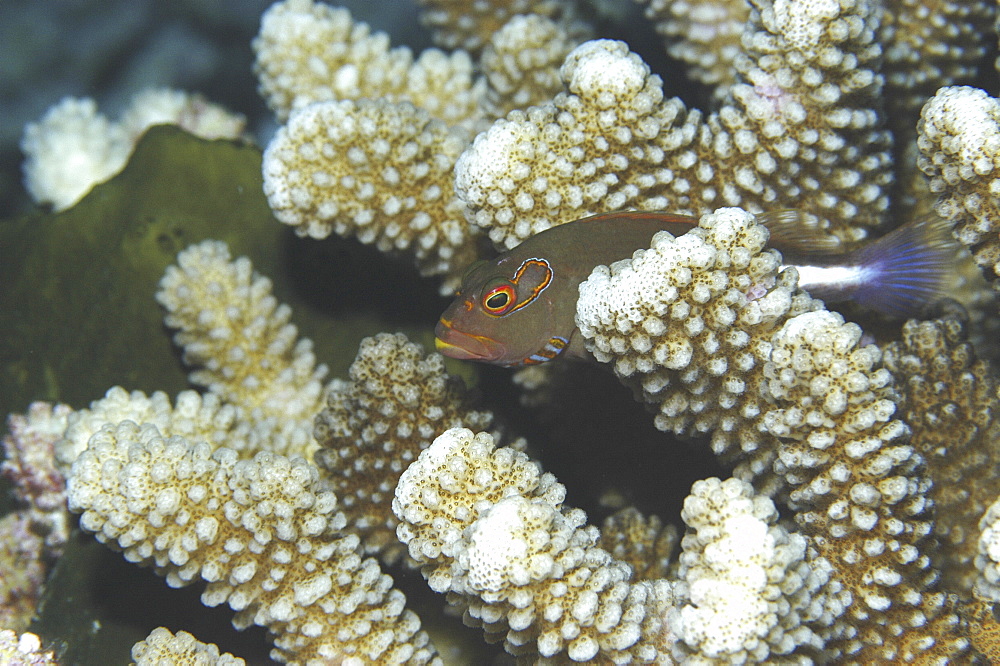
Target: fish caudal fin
{"x":909,"y":269}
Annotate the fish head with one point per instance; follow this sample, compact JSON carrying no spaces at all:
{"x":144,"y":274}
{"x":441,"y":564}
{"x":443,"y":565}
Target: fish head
{"x":501,"y":315}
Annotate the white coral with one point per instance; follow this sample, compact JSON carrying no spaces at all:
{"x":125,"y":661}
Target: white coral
{"x":487,"y":526}
{"x":74,"y":147}
{"x":752,"y":591}
{"x":262,"y":533}
{"x":69,"y":150}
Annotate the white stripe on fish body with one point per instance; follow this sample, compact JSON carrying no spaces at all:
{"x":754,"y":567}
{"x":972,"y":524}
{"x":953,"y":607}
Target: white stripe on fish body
{"x":833,"y":282}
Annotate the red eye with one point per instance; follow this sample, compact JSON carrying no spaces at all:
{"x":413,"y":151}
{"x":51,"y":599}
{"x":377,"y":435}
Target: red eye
{"x":499,"y":299}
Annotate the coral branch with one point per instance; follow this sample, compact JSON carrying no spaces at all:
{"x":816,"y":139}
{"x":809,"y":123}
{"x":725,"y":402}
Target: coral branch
{"x":959,"y":141}
{"x":750,"y":591}
{"x":810,"y":406}
{"x":310,"y":52}
{"x":377,"y":170}
{"x":490,"y":529}
{"x":237,"y":335}
{"x":948,"y":400}
{"x":397,"y":400}
{"x":163,"y":647}
{"x":260,"y":532}
{"x":801,"y":129}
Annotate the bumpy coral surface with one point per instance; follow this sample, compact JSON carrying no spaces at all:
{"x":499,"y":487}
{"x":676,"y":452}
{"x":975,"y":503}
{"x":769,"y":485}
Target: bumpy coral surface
{"x":706,"y":36}
{"x":74,"y":147}
{"x":799,"y":129}
{"x":687,"y":324}
{"x":861,"y":448}
{"x":948,"y":400}
{"x":311,"y":52}
{"x":69,"y":150}
{"x":644,"y":542}
{"x":521,"y":62}
{"x":22,"y":556}
{"x":162,"y":647}
{"x":469,"y":25}
{"x":959,"y":141}
{"x":988,"y":558}
{"x":30,"y":466}
{"x":858,"y":486}
{"x":593,"y":144}
{"x":250,"y":354}
{"x":24,"y":650}
{"x":488,"y":527}
{"x":398,"y":399}
{"x":751,"y":592}
{"x":932,"y":44}
{"x":820,"y":419}
{"x":377,"y":170}
{"x":260,"y":532}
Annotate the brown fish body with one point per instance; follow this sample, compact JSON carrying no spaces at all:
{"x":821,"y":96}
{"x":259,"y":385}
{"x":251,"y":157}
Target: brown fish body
{"x":520,"y":307}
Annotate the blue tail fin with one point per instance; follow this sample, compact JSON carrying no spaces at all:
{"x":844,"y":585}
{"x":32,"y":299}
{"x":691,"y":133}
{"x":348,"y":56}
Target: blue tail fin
{"x":909,"y":269}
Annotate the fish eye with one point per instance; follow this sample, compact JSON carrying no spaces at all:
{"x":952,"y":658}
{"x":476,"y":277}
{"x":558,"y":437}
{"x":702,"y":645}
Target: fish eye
{"x":498,"y":299}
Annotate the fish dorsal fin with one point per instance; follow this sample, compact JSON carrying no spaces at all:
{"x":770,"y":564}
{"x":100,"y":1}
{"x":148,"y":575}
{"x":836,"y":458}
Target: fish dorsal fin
{"x":797,"y":231}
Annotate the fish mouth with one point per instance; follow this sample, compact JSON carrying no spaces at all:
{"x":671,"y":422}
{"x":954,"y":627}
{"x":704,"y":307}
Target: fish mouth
{"x":465,"y":346}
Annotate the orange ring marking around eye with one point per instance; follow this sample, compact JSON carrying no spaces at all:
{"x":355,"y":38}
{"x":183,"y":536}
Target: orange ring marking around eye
{"x":504,"y":289}
{"x":541,"y":286}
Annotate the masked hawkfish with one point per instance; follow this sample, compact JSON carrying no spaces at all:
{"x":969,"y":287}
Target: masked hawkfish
{"x":520,"y":308}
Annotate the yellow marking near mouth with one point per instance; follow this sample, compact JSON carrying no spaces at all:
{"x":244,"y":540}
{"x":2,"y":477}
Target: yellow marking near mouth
{"x":442,"y":346}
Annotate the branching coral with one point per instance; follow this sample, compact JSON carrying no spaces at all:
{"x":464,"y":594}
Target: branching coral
{"x":31,"y":467}
{"x":925,"y":45}
{"x":34,"y":535}
{"x":859,"y":486}
{"x":264,"y":386}
{"x":238,"y":337}
{"x":22,"y":555}
{"x":490,"y":529}
{"x":469,"y":26}
{"x":24,"y":650}
{"x":521,"y":62}
{"x":818,"y":414}
{"x":311,"y":52}
{"x":948,"y":400}
{"x":260,"y":532}
{"x":644,"y":542}
{"x":751,"y":592}
{"x":74,"y":147}
{"x":988,"y":557}
{"x":705,"y":328}
{"x":800,"y":130}
{"x":247,"y":346}
{"x":929,"y":45}
{"x":705,"y":36}
{"x":377,"y":170}
{"x":397,"y":400}
{"x":174,"y":493}
{"x":371,"y":137}
{"x":69,"y":150}
{"x":163,"y":647}
{"x":959,"y":141}
{"x":687,"y":324}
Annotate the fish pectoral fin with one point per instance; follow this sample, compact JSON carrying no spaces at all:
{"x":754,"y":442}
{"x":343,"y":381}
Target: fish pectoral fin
{"x":575,"y":347}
